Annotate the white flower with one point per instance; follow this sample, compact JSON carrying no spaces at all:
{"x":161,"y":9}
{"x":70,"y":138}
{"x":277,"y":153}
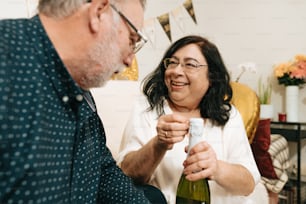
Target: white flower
{"x":246,"y":67}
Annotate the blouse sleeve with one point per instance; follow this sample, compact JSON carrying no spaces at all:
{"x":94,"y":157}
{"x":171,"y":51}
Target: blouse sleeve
{"x":238,"y":149}
{"x":139,"y":129}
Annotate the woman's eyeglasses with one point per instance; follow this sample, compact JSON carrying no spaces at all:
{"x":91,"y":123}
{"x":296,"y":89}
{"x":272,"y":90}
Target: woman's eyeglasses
{"x":189,"y":65}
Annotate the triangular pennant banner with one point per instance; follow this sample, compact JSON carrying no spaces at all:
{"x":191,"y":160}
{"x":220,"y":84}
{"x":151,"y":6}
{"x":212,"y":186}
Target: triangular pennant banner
{"x":189,"y":7}
{"x":178,"y":18}
{"x":165,"y":23}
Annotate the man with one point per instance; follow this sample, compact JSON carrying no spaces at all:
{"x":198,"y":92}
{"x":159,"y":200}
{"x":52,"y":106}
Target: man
{"x":52,"y":142}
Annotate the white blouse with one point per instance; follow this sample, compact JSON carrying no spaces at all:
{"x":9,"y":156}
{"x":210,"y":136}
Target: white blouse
{"x":230,"y":144}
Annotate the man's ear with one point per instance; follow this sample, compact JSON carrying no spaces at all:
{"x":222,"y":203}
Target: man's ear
{"x":96,"y":9}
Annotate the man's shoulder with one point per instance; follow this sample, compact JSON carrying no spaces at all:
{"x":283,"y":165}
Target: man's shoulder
{"x":12,"y":31}
{"x":15,"y":41}
{"x":11,"y":27}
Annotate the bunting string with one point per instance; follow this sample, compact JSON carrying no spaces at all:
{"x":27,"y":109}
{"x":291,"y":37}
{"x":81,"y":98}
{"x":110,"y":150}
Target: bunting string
{"x":164,"y":21}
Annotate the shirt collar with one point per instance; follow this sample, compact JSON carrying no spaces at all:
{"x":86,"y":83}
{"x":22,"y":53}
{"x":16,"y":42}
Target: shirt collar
{"x":60,"y":78}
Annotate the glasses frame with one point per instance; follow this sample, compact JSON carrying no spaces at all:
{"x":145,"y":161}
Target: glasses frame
{"x":197,"y":66}
{"x":142,"y":39}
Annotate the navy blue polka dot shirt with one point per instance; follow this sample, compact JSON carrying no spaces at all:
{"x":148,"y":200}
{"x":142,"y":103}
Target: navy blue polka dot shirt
{"x":52,"y":142}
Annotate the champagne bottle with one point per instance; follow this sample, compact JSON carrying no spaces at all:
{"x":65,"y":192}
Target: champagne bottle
{"x":193,"y":192}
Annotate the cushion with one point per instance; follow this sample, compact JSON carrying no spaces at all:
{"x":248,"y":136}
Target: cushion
{"x":247,"y":103}
{"x":260,"y":146}
{"x":279,"y":152}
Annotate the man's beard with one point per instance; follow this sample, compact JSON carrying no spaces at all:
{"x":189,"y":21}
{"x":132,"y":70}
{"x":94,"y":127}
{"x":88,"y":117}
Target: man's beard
{"x":104,"y":59}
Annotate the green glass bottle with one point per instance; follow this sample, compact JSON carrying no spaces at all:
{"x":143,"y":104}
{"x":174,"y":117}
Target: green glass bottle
{"x":193,"y":192}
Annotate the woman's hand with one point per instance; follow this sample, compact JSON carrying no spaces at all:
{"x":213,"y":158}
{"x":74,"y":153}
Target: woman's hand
{"x":201,"y":162}
{"x":171,"y":129}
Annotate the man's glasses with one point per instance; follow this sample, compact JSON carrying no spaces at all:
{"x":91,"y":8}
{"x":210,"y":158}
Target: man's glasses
{"x":139,"y":43}
{"x":189,"y":65}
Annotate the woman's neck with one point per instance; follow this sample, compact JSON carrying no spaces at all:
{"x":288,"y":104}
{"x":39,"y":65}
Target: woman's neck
{"x":184,"y":110}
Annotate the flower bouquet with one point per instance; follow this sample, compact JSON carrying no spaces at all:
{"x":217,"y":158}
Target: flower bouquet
{"x":292,"y":72}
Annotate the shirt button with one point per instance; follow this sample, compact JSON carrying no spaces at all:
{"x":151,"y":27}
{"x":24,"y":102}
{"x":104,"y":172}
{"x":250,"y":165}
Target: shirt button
{"x":79,"y":97}
{"x":65,"y":99}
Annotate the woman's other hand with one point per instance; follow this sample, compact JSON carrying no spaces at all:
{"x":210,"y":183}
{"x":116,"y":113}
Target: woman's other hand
{"x":201,"y":162}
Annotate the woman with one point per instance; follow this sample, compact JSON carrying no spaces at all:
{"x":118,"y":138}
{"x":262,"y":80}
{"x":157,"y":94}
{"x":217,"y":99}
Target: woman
{"x":190,"y":81}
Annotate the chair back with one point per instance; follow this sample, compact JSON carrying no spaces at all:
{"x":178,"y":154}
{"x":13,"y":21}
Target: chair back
{"x":247,"y":102}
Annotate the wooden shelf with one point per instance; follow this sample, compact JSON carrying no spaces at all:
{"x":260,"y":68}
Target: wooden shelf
{"x":293,"y":132}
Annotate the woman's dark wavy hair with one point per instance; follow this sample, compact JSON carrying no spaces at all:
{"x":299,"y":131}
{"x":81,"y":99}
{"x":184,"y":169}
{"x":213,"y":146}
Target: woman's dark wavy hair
{"x":215,"y":104}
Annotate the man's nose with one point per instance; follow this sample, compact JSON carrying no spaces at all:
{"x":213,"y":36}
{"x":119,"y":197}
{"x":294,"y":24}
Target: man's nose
{"x":129,"y":60}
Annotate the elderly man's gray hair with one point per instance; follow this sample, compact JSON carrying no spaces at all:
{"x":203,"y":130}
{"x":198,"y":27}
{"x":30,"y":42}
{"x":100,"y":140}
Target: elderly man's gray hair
{"x":64,"y":8}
